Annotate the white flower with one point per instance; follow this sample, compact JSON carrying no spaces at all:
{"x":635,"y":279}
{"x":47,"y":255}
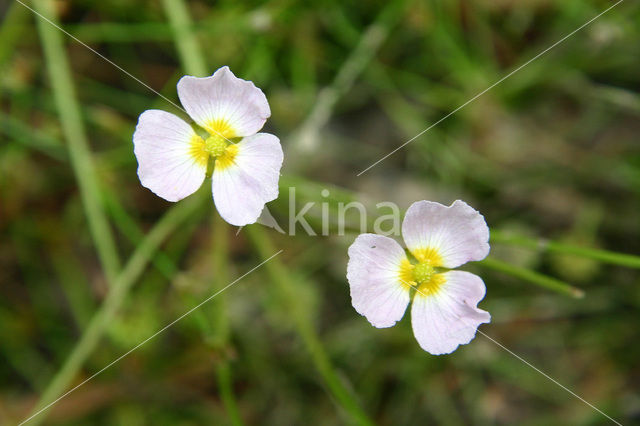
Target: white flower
{"x":381,"y":277}
{"x":173,"y":158}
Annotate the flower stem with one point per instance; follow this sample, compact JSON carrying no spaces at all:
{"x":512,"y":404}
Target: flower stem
{"x":604,"y":256}
{"x":531,"y":276}
{"x":286,"y":288}
{"x":225,"y":383}
{"x":220,"y":330}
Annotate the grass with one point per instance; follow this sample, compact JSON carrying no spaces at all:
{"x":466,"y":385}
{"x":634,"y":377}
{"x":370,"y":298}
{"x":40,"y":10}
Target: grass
{"x":74,"y":132}
{"x":94,"y":264}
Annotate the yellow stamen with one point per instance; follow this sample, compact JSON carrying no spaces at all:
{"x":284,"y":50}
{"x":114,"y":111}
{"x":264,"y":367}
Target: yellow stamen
{"x":215,"y":145}
{"x":221,"y":128}
{"x":422,"y":272}
{"x":227,"y":158}
{"x":198,"y":152}
{"x":431,"y":286}
{"x":422,"y":275}
{"x":428,"y":255}
{"x":405,"y":274}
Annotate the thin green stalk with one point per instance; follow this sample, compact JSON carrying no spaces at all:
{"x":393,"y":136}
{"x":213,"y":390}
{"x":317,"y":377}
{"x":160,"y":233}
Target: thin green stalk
{"x":532,"y":277}
{"x":220,"y":267}
{"x":132,"y":232}
{"x":73,"y":128}
{"x":13,"y":25}
{"x":31,"y":138}
{"x":286,"y":288}
{"x":604,"y":256}
{"x":104,"y":316}
{"x":191,"y":56}
{"x":219,"y":336}
{"x":225,"y":383}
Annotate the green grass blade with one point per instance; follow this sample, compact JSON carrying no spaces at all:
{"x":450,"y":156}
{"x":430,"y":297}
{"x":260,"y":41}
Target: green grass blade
{"x":191,"y":56}
{"x":225,"y":383}
{"x":286,"y":289}
{"x":132,"y":232}
{"x":73,"y":128}
{"x":604,"y":256}
{"x":12,"y":28}
{"x":531,"y":276}
{"x":103,"y":317}
{"x":219,"y":336}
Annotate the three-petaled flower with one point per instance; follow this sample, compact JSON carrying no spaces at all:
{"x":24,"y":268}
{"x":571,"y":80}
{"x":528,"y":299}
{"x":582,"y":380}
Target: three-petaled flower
{"x":382,"y":278}
{"x":173,"y":159}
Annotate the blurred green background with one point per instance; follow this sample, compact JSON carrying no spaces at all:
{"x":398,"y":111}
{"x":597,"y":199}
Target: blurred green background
{"x":92,"y":263}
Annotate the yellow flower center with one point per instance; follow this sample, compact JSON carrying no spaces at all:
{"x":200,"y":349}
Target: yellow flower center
{"x":217,"y":145}
{"x":197,"y":151}
{"x":227,"y":158}
{"x":428,"y":254}
{"x":423,"y":275}
{"x":427,"y":279}
{"x":431,"y":286}
{"x":422,"y":272}
{"x":405,"y":275}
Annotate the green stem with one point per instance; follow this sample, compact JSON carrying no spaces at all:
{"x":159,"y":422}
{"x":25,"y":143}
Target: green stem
{"x":220,"y":331}
{"x":225,"y":383}
{"x":286,"y":288}
{"x":104,"y":316}
{"x":73,"y":128}
{"x":604,"y":256}
{"x":12,"y":28}
{"x":191,"y":56}
{"x":531,"y":276}
{"x":18,"y":132}
{"x":132,"y":232}
{"x":220,"y":264}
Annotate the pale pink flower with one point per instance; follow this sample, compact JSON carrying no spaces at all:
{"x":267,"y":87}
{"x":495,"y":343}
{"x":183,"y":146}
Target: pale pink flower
{"x":173,"y":158}
{"x":383,"y":279}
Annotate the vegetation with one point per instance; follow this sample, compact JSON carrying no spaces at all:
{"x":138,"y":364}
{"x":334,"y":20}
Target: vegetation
{"x":95,"y":269}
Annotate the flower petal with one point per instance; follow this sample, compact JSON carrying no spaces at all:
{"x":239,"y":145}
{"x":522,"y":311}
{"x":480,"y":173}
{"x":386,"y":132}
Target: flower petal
{"x":248,"y":179}
{"x":373,"y":272}
{"x":449,"y":317}
{"x":167,"y":163}
{"x":224,"y":104}
{"x":451,"y":235}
